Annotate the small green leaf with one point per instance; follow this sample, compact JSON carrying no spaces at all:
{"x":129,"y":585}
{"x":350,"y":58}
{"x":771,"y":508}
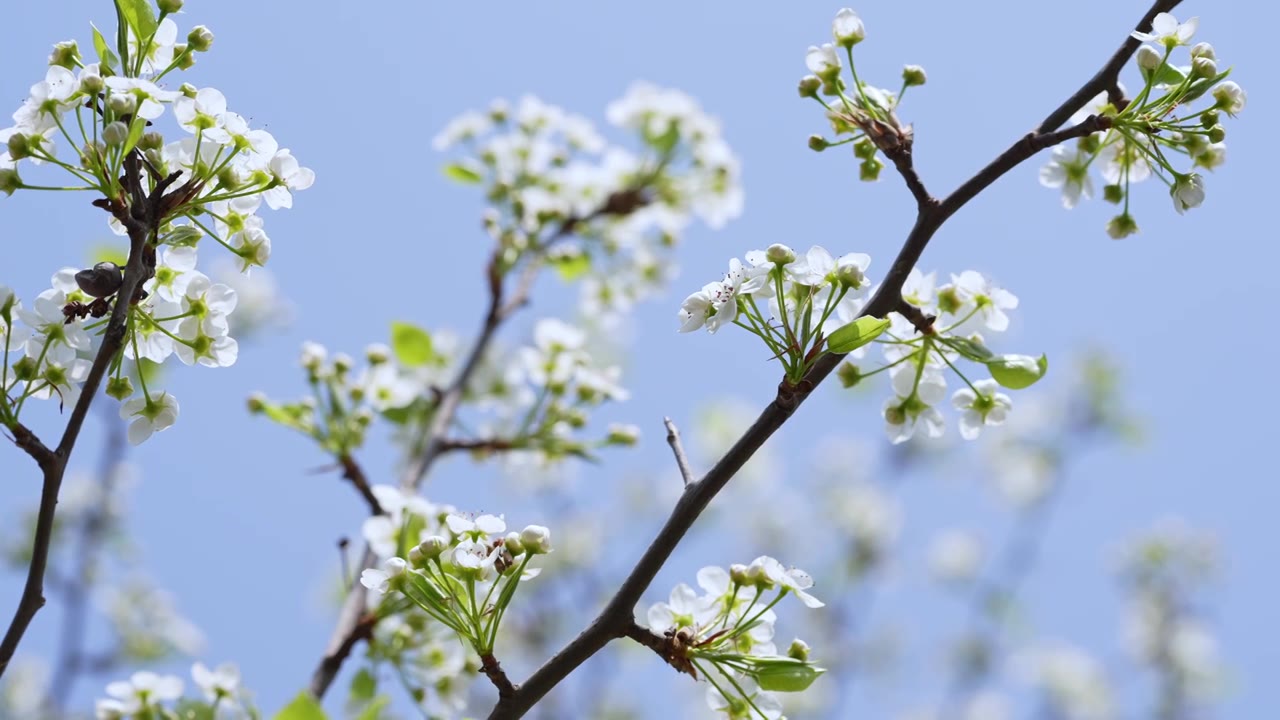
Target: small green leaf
{"x":1018,"y":371}
{"x":969,"y":349}
{"x":572,"y":267}
{"x":136,"y":128}
{"x":784,"y":674}
{"x":303,"y":707}
{"x":465,"y":173}
{"x":411,"y":344}
{"x":373,"y":710}
{"x":1167,"y":74}
{"x":363,"y":686}
{"x":1200,"y":87}
{"x":193,"y":710}
{"x":139,"y":15}
{"x":856,"y":334}
{"x":107,"y":58}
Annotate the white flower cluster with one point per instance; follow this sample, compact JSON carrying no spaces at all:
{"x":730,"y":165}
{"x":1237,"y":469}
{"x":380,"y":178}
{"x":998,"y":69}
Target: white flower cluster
{"x":814,"y":305}
{"x":529,"y":402}
{"x":863,"y":114}
{"x":434,"y":667}
{"x":147,"y":694}
{"x":725,"y":635}
{"x":599,"y":212}
{"x":462,"y":572}
{"x":1151,"y":126}
{"x":107,"y":113}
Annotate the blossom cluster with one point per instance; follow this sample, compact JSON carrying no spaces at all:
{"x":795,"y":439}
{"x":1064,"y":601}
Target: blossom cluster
{"x":726,"y":636}
{"x":815,"y":303}
{"x":462,"y":571}
{"x":99,"y":123}
{"x":1146,"y":130}
{"x":530,"y":403}
{"x":860,"y":114}
{"x":599,"y":213}
{"x":149,"y":695}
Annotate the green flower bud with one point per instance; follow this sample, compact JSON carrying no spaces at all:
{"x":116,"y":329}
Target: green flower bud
{"x":809,"y":85}
{"x":913,"y":75}
{"x":186,"y":60}
{"x":1113,"y":193}
{"x":122,"y":103}
{"x":869,"y":170}
{"x":1217,"y":134}
{"x":1122,"y":226}
{"x":513,"y":544}
{"x":1209,"y":119}
{"x":799,"y":650}
{"x":188,"y":90}
{"x":849,"y":374}
{"x":817,"y":143}
{"x":1203,"y":67}
{"x":169,"y":7}
{"x":257,"y":403}
{"x":1203,"y":49}
{"x":200,"y":38}
{"x":864,"y":149}
{"x":780,"y":254}
{"x":623,"y":435}
{"x":115,"y":133}
{"x":377,"y":354}
{"x":9,"y":181}
{"x":184,"y":236}
{"x":151,"y":141}
{"x":781,"y":674}
{"x":536,"y":540}
{"x":25,"y":369}
{"x":432,"y":547}
{"x":65,"y":54}
{"x":19,"y":146}
{"x":1148,"y":58}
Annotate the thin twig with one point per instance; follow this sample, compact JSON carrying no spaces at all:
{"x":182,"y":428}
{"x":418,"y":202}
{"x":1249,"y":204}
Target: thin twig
{"x":682,"y":460}
{"x":617,"y":615}
{"x":352,"y":471}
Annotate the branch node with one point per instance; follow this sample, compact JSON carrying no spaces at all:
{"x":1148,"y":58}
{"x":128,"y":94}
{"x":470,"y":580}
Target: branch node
{"x":677,"y":449}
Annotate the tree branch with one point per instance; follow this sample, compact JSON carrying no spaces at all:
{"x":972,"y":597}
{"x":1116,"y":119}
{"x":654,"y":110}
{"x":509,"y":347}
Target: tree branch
{"x":617,"y":616}
{"x":1107,"y":79}
{"x":682,"y":461}
{"x":139,"y":219}
{"x":492,"y":669}
{"x":352,"y":471}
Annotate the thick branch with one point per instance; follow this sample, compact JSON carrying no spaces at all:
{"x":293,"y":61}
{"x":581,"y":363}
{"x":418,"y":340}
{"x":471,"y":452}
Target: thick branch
{"x":617,"y":616}
{"x":138,"y":220}
{"x":677,"y":449}
{"x":1107,"y":79}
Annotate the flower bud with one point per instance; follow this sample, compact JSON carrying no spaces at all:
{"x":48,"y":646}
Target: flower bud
{"x":19,"y":146}
{"x":809,"y":85}
{"x":1148,"y":57}
{"x":1017,"y":371}
{"x":115,"y":133}
{"x":1217,"y":134}
{"x":1122,"y":226}
{"x":623,"y":435}
{"x":9,"y":180}
{"x":499,"y":110}
{"x":817,"y":143}
{"x":313,"y":355}
{"x":780,"y":254}
{"x":65,"y":54}
{"x":169,"y":7}
{"x":188,"y":90}
{"x":799,"y":650}
{"x":1203,"y":49}
{"x":913,"y":75}
{"x":536,"y":540}
{"x":847,"y":29}
{"x":849,"y":374}
{"x":342,"y":362}
{"x":257,"y":403}
{"x":432,"y":547}
{"x":895,"y":415}
{"x":200,"y":38}
{"x":1210,"y":118}
{"x":864,"y":149}
{"x":26,"y":368}
{"x":512,"y":542}
{"x":91,"y":84}
{"x":783,"y":674}
{"x":377,"y":353}
{"x":1203,"y":67}
{"x":120,"y":388}
{"x":850,"y":276}
{"x":122,"y":103}
{"x":1187,"y":193}
{"x":1113,"y":193}
{"x":1230,"y":98}
{"x":186,"y":60}
{"x":739,"y":574}
{"x":823,"y":62}
{"x":151,"y":141}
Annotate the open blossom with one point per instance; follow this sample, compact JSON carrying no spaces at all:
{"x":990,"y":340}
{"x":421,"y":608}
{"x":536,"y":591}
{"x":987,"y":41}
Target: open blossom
{"x":149,"y":415}
{"x":1167,"y":31}
{"x":1069,"y":170}
{"x":991,"y":301}
{"x":913,"y":404}
{"x":1187,"y":192}
{"x":986,"y":406}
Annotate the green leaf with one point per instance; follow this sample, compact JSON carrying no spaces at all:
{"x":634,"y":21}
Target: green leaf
{"x":136,"y":128}
{"x":363,"y":686}
{"x":1018,"y":371}
{"x":969,"y":349}
{"x":373,"y":710}
{"x":303,"y":707}
{"x":572,"y":267}
{"x":193,"y":710}
{"x":465,"y":173}
{"x":784,"y":674}
{"x":411,"y":344}
{"x":105,"y":56}
{"x":139,"y":16}
{"x":1167,"y":74}
{"x":856,"y":334}
{"x":1200,"y":87}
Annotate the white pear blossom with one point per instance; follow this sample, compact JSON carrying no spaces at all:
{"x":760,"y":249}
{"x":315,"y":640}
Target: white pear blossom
{"x":1167,"y":31}
{"x":149,"y":414}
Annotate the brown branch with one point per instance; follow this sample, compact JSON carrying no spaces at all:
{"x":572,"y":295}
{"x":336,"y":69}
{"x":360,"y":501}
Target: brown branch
{"x":139,"y":220}
{"x":352,"y":471}
{"x":31,"y":445}
{"x":491,"y":445}
{"x":922,"y":323}
{"x":902,"y":160}
{"x":668,"y":647}
{"x":492,"y":669}
{"x":1107,"y":79}
{"x":617,"y":616}
{"x":682,"y":460}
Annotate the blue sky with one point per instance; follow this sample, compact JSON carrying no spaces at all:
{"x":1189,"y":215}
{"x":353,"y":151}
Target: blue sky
{"x":234,"y":523}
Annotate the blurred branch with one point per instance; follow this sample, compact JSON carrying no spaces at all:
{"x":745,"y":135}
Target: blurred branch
{"x":682,"y":460}
{"x":618,"y":614}
{"x":140,"y":217}
{"x":71,"y":660}
{"x":433,"y":440}
{"x":352,"y":471}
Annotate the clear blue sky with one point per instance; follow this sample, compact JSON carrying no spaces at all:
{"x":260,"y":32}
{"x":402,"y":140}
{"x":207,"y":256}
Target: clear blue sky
{"x":233,"y":522}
